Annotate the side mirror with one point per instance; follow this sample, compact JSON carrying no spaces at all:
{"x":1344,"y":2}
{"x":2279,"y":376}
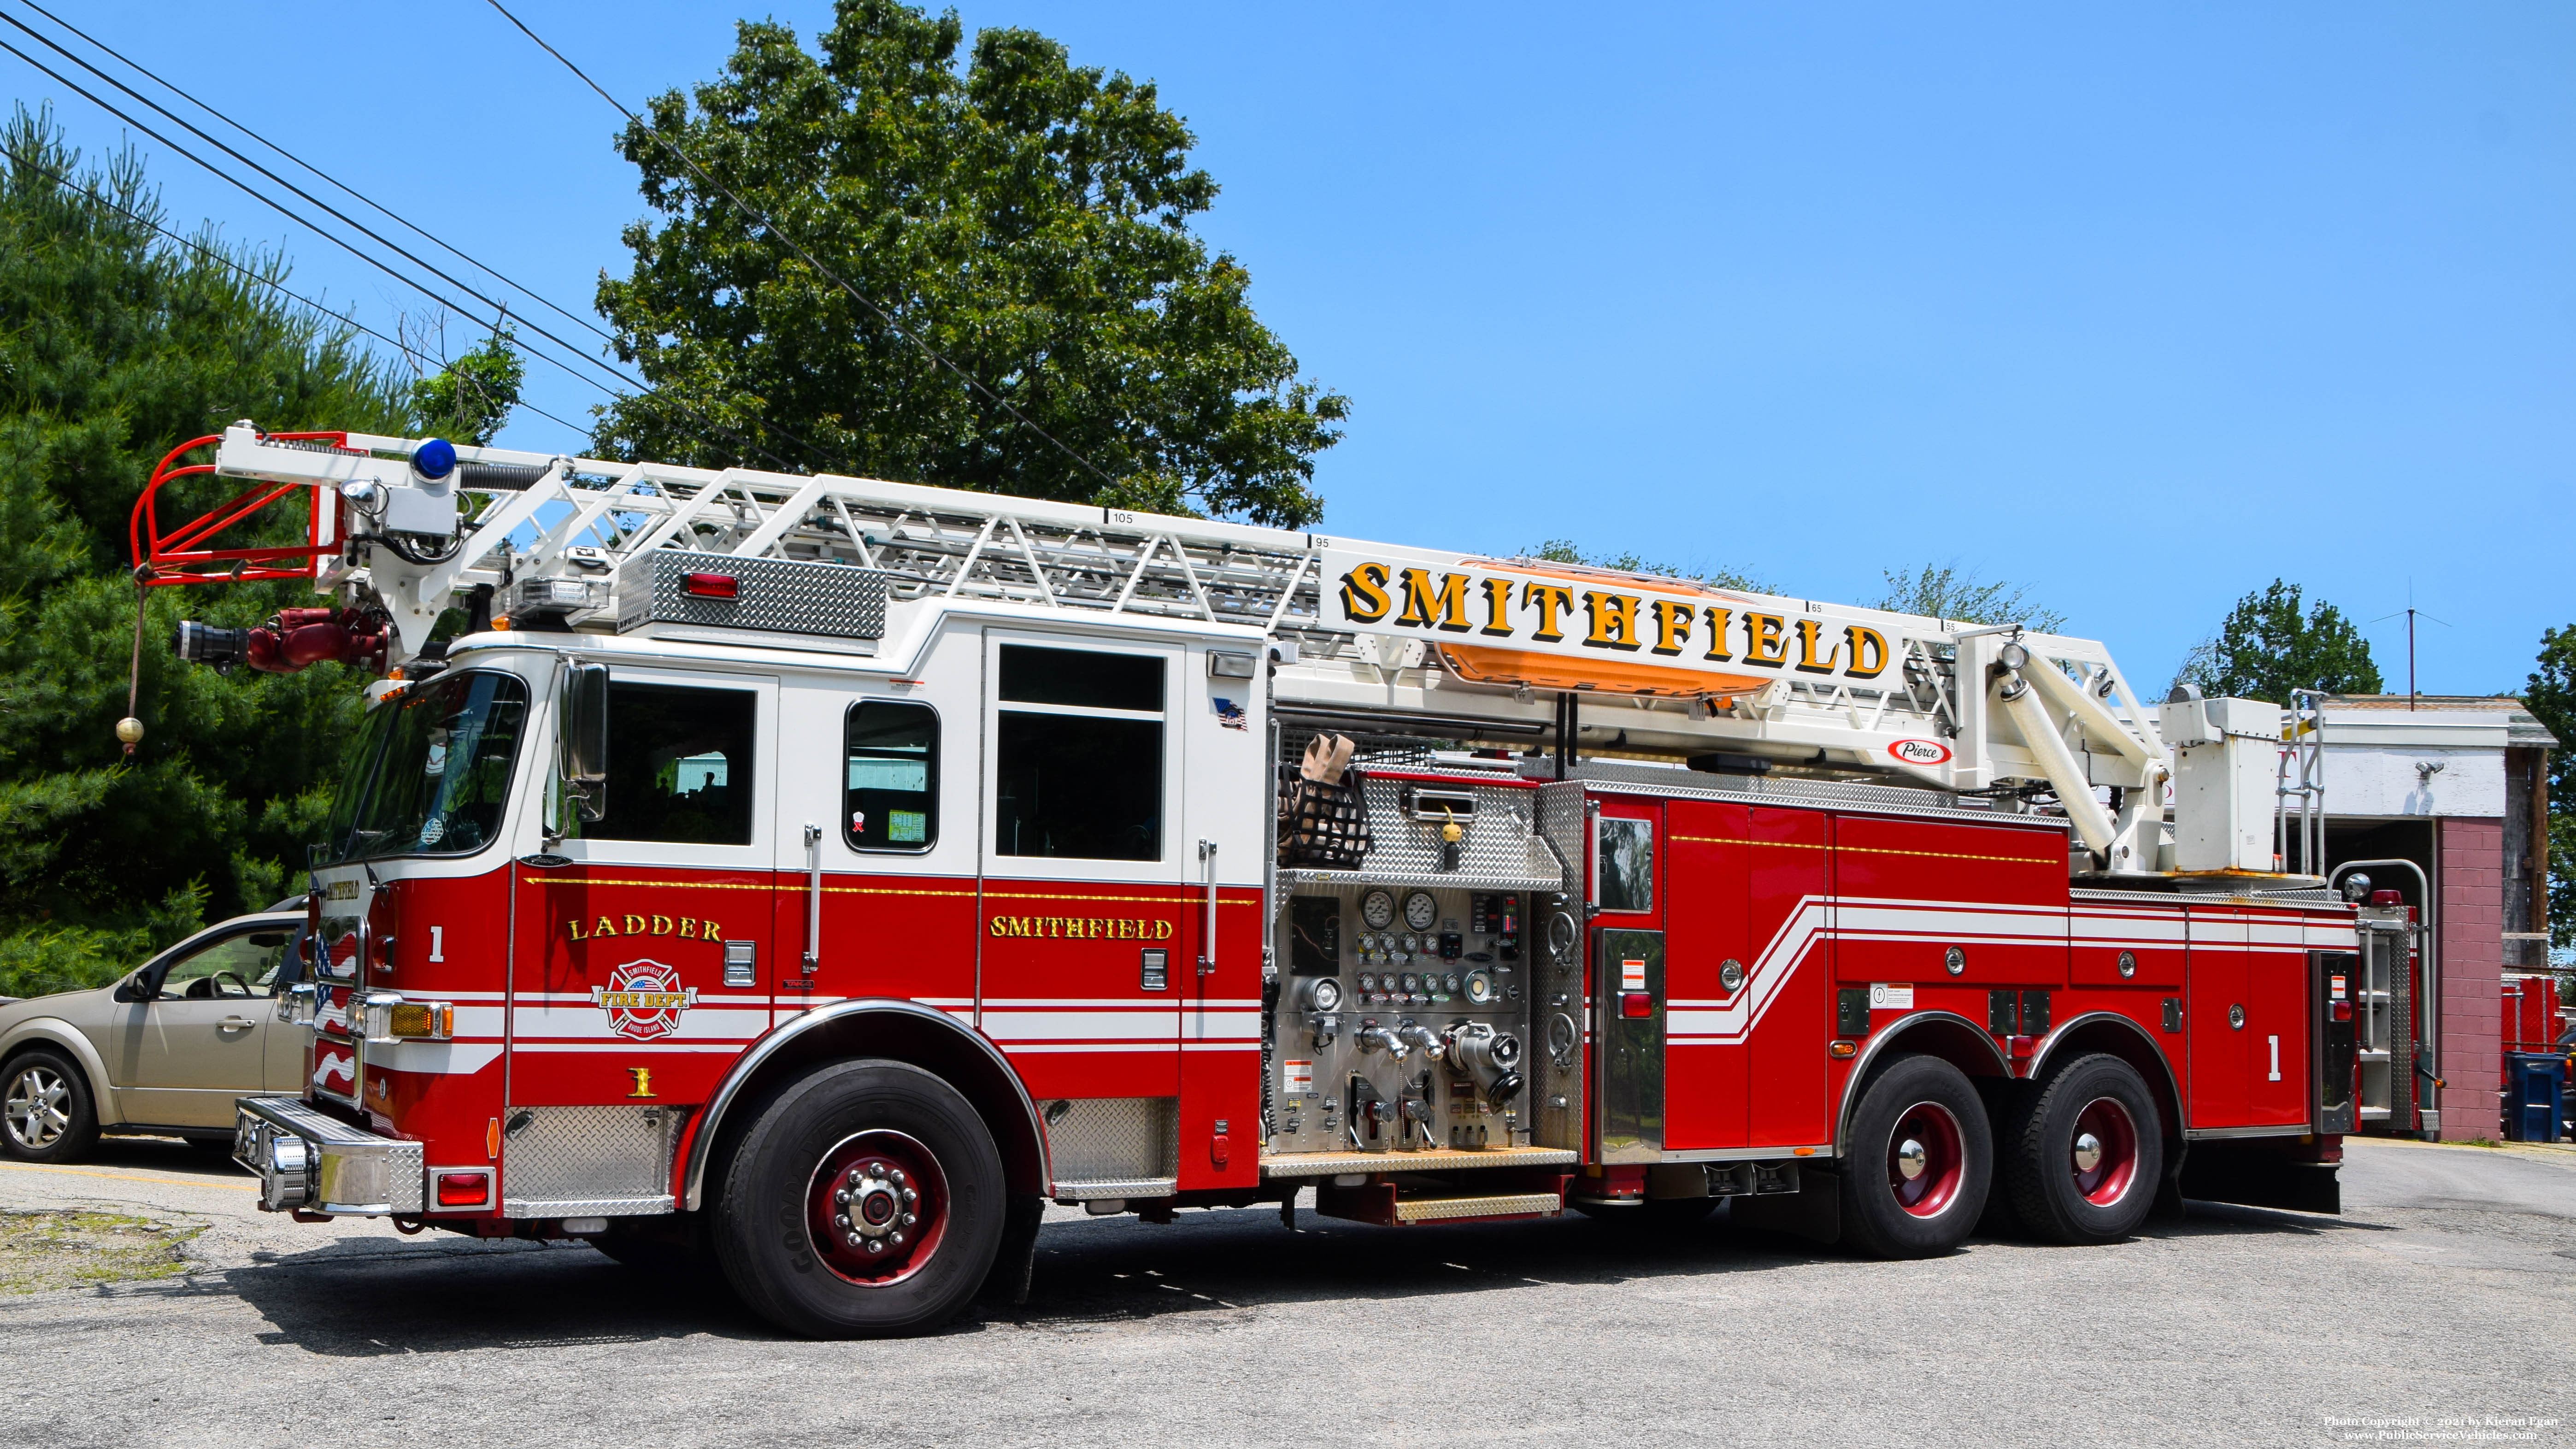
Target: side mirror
{"x":136,"y":988}
{"x":585,"y":734}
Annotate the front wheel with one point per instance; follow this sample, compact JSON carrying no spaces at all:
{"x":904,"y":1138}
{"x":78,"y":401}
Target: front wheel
{"x":1921,"y":1154}
{"x":2086,"y":1152}
{"x":866,"y":1201}
{"x":45,"y":1109}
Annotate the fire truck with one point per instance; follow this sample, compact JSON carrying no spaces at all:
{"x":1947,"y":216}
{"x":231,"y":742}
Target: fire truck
{"x":818,"y":876}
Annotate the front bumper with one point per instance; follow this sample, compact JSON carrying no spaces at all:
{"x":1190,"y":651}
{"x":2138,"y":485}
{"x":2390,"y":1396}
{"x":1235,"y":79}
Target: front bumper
{"x":309,"y":1162}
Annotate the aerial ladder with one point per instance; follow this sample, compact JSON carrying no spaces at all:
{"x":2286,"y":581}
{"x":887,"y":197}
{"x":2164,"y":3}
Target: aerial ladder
{"x":1441,"y":645}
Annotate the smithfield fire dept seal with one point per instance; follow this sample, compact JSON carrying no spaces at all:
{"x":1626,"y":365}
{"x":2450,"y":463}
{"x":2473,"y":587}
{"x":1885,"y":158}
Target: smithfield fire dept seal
{"x":644,"y":1000}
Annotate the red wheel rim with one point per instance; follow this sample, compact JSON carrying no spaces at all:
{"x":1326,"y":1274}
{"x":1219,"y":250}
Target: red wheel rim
{"x":881,"y":1188}
{"x":1925,"y":1160}
{"x":2103,"y":1151}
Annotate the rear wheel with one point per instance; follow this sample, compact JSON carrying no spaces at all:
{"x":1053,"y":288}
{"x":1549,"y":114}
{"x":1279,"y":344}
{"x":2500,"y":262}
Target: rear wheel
{"x":866,"y":1201}
{"x":1915,"y":1180}
{"x":2086,"y":1152}
{"x":45,"y":1109}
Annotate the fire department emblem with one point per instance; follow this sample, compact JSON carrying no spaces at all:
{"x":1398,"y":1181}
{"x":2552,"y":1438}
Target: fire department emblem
{"x":644,"y":1000}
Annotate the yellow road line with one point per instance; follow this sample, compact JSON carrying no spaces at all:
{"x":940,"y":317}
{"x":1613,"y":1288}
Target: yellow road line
{"x":130,"y":1177}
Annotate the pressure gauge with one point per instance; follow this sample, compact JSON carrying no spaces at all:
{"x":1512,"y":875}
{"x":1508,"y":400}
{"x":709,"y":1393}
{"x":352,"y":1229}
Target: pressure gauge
{"x":1367,"y":982}
{"x":1421,"y":911}
{"x":1413,"y":943}
{"x":1480,"y":988}
{"x":1411,"y":983}
{"x":1452,"y":981}
{"x":1378,"y":909}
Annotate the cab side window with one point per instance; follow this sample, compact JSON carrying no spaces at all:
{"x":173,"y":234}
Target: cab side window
{"x":1078,"y":754}
{"x":680,"y":765}
{"x":891,"y":789}
{"x":1623,"y":857}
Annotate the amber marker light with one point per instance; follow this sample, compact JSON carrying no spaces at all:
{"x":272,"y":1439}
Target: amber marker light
{"x":1843,"y":1051}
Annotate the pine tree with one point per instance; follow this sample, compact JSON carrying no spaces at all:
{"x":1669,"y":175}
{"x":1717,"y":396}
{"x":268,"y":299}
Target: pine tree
{"x":116,"y":344}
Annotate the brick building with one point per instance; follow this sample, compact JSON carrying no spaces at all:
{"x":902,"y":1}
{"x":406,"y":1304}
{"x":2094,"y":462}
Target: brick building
{"x":2459,"y":786}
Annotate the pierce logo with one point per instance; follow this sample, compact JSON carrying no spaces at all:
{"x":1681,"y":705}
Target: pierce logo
{"x":1920,"y":752}
{"x":644,"y":1000}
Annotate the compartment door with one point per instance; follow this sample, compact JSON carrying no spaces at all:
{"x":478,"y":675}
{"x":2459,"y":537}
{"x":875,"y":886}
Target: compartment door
{"x":1707,"y":1056}
{"x":1631,"y":1040}
{"x":1790,"y":909}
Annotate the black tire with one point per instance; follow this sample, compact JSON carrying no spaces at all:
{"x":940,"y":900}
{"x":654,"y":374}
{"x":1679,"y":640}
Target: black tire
{"x":46,"y":1114}
{"x":1889,"y":1214}
{"x":2054,"y":1193}
{"x":929,"y":1192}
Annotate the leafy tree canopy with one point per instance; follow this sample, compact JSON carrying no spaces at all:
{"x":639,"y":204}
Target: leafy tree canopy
{"x":1947,"y":591}
{"x":2551,"y":698}
{"x":2267,"y":647}
{"x":117,"y":344}
{"x":1026,"y":218}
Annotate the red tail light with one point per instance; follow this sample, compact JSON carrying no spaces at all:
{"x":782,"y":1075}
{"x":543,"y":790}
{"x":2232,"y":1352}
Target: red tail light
{"x":1636,"y":1003}
{"x":464,"y":1189}
{"x":712,"y":586}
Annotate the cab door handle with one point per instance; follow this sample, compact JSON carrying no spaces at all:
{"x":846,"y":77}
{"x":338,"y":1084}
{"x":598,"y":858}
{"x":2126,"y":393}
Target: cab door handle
{"x":234,"y":1023}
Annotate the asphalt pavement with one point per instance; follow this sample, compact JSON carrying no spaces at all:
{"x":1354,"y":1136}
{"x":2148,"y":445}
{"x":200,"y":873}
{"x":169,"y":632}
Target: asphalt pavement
{"x":2438,"y":1308}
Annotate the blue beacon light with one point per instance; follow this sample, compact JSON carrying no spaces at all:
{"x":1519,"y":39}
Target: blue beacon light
{"x":434,"y":459}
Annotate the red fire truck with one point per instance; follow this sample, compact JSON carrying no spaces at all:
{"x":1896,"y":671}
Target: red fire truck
{"x":823,"y":875}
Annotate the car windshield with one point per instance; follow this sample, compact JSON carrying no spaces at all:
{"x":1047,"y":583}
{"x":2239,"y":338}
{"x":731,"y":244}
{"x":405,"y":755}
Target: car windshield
{"x":431,"y":770}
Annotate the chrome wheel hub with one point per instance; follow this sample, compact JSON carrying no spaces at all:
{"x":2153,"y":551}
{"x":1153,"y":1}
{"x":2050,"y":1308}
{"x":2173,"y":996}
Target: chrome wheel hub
{"x":36,"y":1107}
{"x":874,"y":1205}
{"x":2088,"y":1152}
{"x":1911,"y":1159}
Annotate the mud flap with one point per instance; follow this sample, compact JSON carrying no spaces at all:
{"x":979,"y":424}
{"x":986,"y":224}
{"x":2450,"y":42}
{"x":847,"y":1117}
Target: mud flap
{"x":2262,"y":1173}
{"x":1813,"y":1212}
{"x":1015,"y":1262}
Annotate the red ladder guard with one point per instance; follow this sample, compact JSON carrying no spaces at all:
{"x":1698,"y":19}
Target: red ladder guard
{"x":181,"y":555}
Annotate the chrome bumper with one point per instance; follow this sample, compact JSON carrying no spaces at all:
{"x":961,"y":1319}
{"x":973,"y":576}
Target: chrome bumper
{"x":308,"y":1162}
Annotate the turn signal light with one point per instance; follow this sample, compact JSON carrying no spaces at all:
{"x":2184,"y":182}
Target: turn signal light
{"x":712,"y":586}
{"x":1842,"y":1051}
{"x":432,"y":1019}
{"x":464,"y":1189}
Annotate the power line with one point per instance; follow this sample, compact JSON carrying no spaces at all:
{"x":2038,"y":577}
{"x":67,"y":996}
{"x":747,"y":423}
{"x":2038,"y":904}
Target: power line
{"x":217,"y":257}
{"x":405,"y":222}
{"x":433,"y":238}
{"x":776,"y":234}
{"x":252,"y":191}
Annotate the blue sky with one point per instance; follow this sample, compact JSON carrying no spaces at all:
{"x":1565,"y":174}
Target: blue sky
{"x":2138,"y":309}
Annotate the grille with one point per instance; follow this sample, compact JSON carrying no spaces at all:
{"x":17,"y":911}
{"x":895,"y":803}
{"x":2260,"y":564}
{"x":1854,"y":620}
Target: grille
{"x":779,"y":596}
{"x":589,"y":1156}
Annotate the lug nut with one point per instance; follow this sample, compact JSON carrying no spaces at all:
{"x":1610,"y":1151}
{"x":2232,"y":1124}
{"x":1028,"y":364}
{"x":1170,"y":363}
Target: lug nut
{"x":910,"y":1218}
{"x":896,"y":1176}
{"x":875,"y":1247}
{"x":840,"y":1220}
{"x":910,"y":1197}
{"x":897,"y":1238}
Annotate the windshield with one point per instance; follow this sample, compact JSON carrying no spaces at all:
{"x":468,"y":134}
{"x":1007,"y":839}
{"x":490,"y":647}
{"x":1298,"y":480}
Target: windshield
{"x":431,"y":770}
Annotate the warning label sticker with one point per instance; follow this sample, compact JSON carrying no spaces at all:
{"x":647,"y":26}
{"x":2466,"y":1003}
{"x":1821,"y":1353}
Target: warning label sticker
{"x":1891,"y":996}
{"x":1296,"y":1076}
{"x":1632,"y":975}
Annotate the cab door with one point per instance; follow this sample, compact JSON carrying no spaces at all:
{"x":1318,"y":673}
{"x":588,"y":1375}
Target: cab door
{"x":1086,"y":912}
{"x":643,"y":962}
{"x":1628,"y":956}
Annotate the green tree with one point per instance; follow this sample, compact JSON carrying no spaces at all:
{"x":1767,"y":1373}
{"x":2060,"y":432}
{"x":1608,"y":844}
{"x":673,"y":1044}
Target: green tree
{"x":468,"y":399}
{"x":1565,"y":550}
{"x":2551,"y":697}
{"x":2267,"y":646}
{"x":116,"y":344}
{"x":1946,"y":591}
{"x":1026,"y":218}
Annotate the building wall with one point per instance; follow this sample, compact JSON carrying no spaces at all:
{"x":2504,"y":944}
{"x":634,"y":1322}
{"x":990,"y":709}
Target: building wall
{"x":2470,"y":882}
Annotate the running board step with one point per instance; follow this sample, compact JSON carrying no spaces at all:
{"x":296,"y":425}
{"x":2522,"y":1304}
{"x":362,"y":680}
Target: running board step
{"x":1388,"y":1206}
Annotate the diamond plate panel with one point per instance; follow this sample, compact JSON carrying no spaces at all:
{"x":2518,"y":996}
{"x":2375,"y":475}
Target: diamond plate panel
{"x":588,"y":1154}
{"x":779,"y":596}
{"x":1442,"y":1209}
{"x":1122,"y":1140}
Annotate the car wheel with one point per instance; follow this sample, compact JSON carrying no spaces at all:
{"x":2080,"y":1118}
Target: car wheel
{"x":866,"y":1201}
{"x":2086,"y":1153}
{"x":45,"y":1109}
{"x":1921,"y":1154}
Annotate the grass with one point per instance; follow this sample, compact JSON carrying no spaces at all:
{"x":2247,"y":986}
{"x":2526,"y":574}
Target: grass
{"x":78,"y":1247}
